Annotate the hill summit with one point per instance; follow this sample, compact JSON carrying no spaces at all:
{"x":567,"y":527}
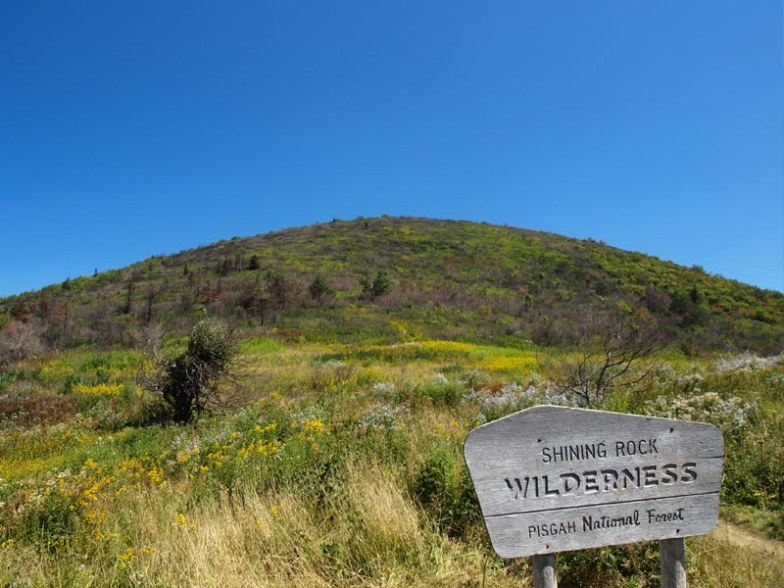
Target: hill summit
{"x":393,"y":279}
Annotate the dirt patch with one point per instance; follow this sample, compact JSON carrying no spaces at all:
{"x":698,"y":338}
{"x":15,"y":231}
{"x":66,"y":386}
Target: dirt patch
{"x":735,"y":535}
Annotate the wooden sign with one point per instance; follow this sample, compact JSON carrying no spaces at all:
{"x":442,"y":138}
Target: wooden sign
{"x":553,"y":479}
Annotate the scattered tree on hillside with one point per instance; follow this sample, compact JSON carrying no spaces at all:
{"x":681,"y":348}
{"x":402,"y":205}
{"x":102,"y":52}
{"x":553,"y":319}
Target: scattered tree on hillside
{"x":613,"y":353}
{"x":5,"y":318}
{"x":253,"y":298}
{"x":319,"y":289}
{"x":689,"y":307}
{"x":192,"y":382}
{"x":376,"y":287}
{"x":42,"y":307}
{"x":154,"y":290}
{"x":130,"y":288}
{"x":20,"y":310}
{"x":280,"y":288}
{"x":225,"y":267}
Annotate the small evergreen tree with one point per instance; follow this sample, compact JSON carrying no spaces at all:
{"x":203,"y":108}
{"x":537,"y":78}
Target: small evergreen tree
{"x":376,"y":287}
{"x":319,"y":289}
{"x":190,"y":383}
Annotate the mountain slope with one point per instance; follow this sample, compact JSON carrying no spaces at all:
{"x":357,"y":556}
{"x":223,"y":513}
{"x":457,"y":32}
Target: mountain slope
{"x":448,"y":279}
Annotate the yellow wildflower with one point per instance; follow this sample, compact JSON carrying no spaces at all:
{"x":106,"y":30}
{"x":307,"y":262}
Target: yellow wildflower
{"x":98,"y":389}
{"x":314,"y":427}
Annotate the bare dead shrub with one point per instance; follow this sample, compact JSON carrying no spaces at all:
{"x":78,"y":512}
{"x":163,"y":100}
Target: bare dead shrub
{"x":19,"y":340}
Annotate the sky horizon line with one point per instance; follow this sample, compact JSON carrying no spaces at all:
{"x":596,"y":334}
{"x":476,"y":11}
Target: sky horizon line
{"x":131,"y":130}
{"x":200,"y":245}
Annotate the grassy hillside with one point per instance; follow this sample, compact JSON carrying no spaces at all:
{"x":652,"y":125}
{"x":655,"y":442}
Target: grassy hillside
{"x":339,"y":460}
{"x":340,"y":466}
{"x":447,"y":279}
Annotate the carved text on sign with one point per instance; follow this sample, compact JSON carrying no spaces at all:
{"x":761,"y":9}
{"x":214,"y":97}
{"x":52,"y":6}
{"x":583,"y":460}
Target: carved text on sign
{"x":553,"y":478}
{"x":604,"y":480}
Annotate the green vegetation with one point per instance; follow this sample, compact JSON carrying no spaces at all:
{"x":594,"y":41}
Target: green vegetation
{"x":342,"y":465}
{"x":390,"y":280}
{"x":190,"y":383}
{"x":339,"y":462}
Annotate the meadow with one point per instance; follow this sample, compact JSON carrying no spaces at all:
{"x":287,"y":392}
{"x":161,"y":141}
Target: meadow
{"x":338,"y":465}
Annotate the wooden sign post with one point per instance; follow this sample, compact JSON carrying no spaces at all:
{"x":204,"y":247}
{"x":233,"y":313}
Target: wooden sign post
{"x":552,"y":479}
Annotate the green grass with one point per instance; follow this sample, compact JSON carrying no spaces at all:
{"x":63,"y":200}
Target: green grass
{"x":338,"y":466}
{"x":261,"y":345}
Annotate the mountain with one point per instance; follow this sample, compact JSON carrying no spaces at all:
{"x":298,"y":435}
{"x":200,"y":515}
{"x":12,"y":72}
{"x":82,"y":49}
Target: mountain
{"x":394,"y":279}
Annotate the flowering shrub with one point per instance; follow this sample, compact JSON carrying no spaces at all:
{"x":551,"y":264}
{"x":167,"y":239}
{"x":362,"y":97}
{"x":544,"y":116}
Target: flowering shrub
{"x":382,"y":416}
{"x":745,"y":362}
{"x":238,"y":446}
{"x":505,"y":397}
{"x":551,"y":394}
{"x":312,"y":428}
{"x":98,"y":389}
{"x":474,"y":378}
{"x":383,"y":389}
{"x":729,"y":414}
{"x":331,"y":373}
{"x":441,"y":389}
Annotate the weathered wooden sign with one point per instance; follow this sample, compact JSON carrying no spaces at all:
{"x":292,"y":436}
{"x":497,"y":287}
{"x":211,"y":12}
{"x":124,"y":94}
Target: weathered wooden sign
{"x":553,"y":479}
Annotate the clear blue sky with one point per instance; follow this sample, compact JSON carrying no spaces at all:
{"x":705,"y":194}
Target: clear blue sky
{"x":129,"y":129}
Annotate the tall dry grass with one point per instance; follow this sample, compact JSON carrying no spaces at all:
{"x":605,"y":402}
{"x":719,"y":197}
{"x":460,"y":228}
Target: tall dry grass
{"x":371,"y":533}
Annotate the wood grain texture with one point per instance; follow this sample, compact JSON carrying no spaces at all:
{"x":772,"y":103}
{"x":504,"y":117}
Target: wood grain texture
{"x":673,"y":563}
{"x":544,"y":571}
{"x":552,"y":479}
